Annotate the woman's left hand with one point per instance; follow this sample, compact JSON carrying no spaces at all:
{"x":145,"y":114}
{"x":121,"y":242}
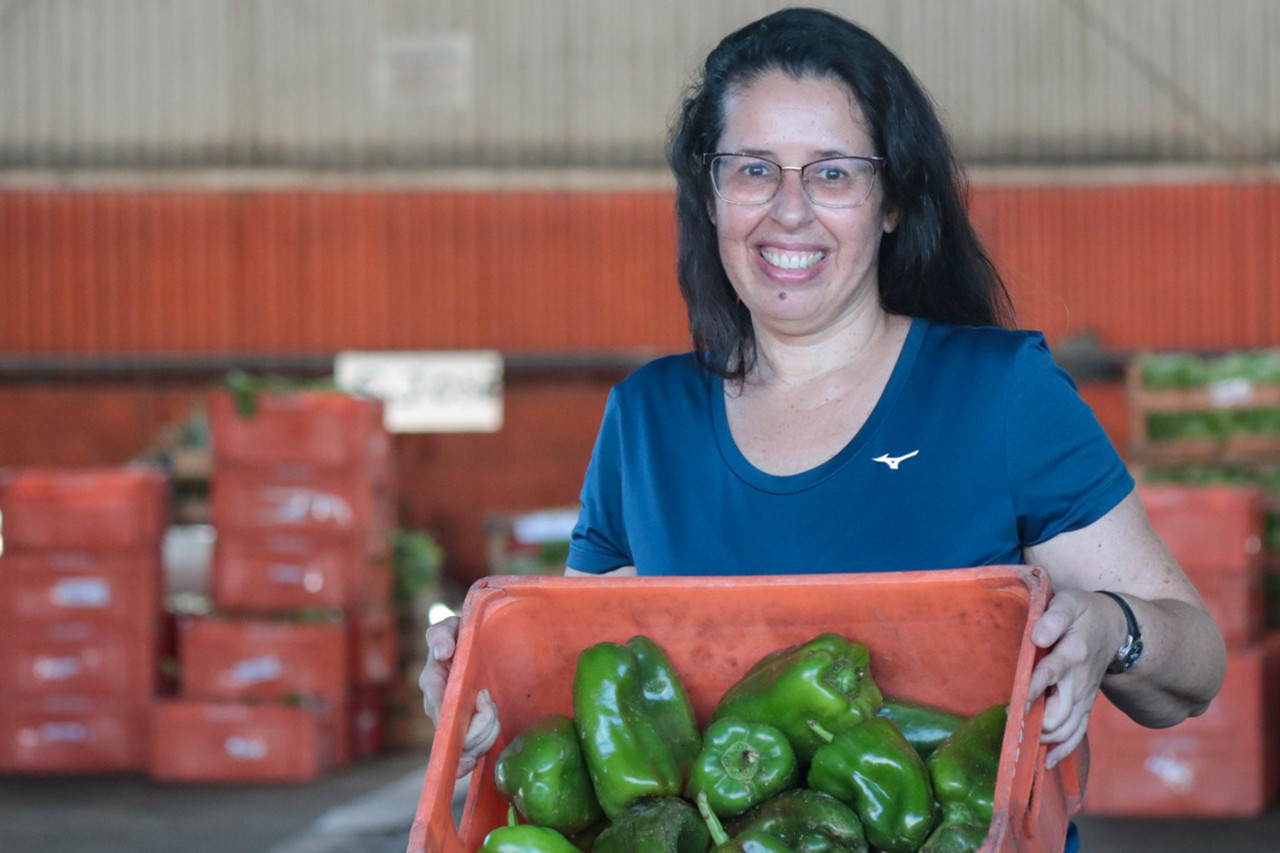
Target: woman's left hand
{"x":1080,"y":630}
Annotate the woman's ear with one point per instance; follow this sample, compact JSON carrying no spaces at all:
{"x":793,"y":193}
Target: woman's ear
{"x":890,"y":219}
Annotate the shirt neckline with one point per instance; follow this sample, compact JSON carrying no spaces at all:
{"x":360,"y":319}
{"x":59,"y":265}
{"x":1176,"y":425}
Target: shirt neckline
{"x":792,"y":483}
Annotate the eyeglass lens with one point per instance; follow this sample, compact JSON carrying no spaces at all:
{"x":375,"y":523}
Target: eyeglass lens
{"x":837,"y":182}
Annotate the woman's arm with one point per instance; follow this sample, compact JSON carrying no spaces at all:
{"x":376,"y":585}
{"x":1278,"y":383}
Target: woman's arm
{"x":1183,"y":659}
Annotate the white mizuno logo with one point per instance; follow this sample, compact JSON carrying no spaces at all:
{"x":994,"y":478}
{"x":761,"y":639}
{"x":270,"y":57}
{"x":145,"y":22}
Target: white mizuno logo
{"x":894,"y":461}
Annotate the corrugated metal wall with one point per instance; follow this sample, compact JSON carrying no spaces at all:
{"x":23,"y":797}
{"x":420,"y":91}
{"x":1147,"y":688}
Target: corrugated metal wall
{"x":319,"y":271}
{"x":423,"y":83}
{"x":292,"y":271}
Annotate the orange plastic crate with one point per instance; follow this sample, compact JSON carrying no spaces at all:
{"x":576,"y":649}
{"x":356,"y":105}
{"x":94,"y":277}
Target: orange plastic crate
{"x":1224,"y":763}
{"x":106,"y":589}
{"x":372,"y":644}
{"x":287,"y":572}
{"x":48,"y":659}
{"x":1208,"y":528}
{"x":95,"y":509}
{"x":956,"y":638}
{"x":72,"y":734}
{"x":367,"y":720}
{"x":1236,"y":599}
{"x":325,"y":429}
{"x":302,"y":499}
{"x":194,"y":741}
{"x":255,"y":658}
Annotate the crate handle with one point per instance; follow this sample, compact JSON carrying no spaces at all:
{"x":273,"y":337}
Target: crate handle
{"x":1036,"y":795}
{"x":1028,"y":775}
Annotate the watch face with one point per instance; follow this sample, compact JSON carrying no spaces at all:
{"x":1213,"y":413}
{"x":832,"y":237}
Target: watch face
{"x":1127,"y":656}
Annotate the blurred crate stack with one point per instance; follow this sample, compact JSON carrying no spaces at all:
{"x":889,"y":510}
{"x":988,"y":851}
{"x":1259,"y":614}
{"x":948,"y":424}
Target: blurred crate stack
{"x":1200,"y":420}
{"x":286,"y":680}
{"x":1224,"y":763}
{"x":80,"y":627}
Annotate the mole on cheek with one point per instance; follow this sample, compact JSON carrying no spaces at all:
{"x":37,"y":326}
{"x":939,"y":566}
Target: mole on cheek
{"x":782,"y":296}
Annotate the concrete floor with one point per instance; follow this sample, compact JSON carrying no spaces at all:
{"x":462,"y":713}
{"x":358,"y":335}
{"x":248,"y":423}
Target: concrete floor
{"x":368,"y":808}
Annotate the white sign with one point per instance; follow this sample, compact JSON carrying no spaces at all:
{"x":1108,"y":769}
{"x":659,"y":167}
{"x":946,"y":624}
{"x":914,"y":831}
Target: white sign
{"x":428,"y":391}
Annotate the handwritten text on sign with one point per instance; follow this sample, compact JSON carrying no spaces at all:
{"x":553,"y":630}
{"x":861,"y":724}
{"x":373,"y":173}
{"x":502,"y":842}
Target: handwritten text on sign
{"x":428,"y":391}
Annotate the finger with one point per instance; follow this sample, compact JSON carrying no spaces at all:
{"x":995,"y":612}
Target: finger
{"x":433,"y":679}
{"x":465,"y":765}
{"x":1051,"y":625}
{"x":1046,"y":673}
{"x":442,"y":638}
{"x":483,"y":730}
{"x":1068,"y":745}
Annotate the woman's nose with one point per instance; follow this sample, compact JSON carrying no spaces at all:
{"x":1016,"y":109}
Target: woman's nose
{"x":791,"y":203}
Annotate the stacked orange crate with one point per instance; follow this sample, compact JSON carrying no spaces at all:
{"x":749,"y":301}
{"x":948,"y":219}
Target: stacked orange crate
{"x":302,"y":499}
{"x":80,"y":579}
{"x":1225,"y":762}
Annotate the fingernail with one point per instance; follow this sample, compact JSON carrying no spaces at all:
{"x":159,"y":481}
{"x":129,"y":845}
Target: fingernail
{"x":436,"y":652}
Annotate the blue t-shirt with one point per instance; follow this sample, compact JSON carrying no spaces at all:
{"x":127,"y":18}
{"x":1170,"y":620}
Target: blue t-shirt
{"x":979,"y":446}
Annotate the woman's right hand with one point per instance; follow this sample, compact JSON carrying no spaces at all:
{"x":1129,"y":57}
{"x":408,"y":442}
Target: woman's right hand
{"x":482,"y":733}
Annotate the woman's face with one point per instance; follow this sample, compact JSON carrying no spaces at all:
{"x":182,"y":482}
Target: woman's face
{"x":801,"y":269}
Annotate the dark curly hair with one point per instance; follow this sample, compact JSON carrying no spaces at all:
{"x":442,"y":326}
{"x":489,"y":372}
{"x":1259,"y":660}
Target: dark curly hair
{"x":931,"y":265}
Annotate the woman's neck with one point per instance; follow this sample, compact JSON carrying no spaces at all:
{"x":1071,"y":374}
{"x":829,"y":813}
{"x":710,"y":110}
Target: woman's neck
{"x":790,"y":361}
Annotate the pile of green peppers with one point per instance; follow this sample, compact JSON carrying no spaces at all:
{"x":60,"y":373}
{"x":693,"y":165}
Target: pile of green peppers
{"x":804,"y":754}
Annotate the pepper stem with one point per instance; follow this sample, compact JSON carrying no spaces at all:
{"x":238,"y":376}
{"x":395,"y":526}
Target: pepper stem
{"x":821,"y":731}
{"x":718,"y":835}
{"x":511,"y":815}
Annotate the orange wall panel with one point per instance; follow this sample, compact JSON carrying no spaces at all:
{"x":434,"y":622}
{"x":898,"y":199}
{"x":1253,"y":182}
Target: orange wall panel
{"x":314,"y":271}
{"x":1143,"y":266}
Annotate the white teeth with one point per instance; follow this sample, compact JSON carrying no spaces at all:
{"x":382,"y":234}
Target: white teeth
{"x":791,"y":260}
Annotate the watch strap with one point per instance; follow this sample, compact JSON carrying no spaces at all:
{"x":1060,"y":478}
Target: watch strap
{"x":1131,"y":649}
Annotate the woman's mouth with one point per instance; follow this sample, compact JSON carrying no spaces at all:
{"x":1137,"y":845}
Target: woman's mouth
{"x":791,"y":260}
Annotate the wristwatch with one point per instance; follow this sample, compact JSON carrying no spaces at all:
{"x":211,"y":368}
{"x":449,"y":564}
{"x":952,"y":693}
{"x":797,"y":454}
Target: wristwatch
{"x":1131,"y":648}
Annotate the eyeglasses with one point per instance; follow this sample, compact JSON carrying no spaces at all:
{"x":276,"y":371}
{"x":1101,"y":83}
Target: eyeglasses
{"x":833,"y":182}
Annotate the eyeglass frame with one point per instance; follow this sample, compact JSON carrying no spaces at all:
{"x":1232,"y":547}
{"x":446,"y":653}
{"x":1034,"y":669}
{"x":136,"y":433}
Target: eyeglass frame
{"x":877,"y":164}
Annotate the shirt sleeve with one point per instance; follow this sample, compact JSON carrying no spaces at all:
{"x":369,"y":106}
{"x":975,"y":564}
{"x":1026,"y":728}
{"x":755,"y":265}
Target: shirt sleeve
{"x":599,"y":540}
{"x":1064,"y":472}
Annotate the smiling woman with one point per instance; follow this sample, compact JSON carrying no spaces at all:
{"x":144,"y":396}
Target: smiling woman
{"x":853,"y":401}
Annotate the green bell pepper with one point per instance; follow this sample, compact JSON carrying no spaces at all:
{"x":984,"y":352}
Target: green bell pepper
{"x":924,"y":726}
{"x":662,"y":825}
{"x":873,"y":768}
{"x":543,"y":774}
{"x":827,"y":679}
{"x":635,"y":723}
{"x":806,"y":821}
{"x":748,"y":841}
{"x":964,"y":767}
{"x":956,"y":836}
{"x":527,"y":838}
{"x":742,"y":764}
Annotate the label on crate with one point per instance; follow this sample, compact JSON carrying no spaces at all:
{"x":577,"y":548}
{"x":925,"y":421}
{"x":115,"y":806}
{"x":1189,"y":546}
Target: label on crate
{"x":57,"y":669}
{"x":290,"y":574}
{"x":82,"y":592}
{"x":245,"y":749}
{"x":1174,"y":773}
{"x":256,"y":670}
{"x":289,"y":505}
{"x":64,"y":733}
{"x":1225,"y":393}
